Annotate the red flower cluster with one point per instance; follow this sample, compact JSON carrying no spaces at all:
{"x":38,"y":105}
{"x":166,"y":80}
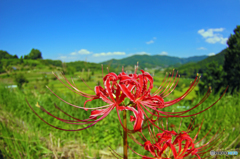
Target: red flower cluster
{"x":182,"y":146}
{"x":117,"y":88}
{"x":170,"y":144}
{"x":137,"y":89}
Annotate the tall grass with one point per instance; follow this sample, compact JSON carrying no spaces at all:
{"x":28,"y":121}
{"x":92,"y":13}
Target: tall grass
{"x":24,"y":135}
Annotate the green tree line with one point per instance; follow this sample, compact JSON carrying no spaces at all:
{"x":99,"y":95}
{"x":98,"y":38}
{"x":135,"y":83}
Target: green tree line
{"x":220,"y":76}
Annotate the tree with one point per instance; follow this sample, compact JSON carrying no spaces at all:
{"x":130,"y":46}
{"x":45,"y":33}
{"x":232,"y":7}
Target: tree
{"x":21,"y":60}
{"x":15,"y":56}
{"x":232,"y":57}
{"x":20,"y":79}
{"x":34,"y":54}
{"x":1,"y":68}
{"x":213,"y":77}
{"x":70,"y":70}
{"x":6,"y":55}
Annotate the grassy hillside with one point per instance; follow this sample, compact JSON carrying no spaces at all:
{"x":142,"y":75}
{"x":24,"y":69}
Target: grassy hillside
{"x":191,"y":69}
{"x":24,"y":135}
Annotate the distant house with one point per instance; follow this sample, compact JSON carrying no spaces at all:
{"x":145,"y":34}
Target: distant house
{"x":157,"y":68}
{"x":11,"y":86}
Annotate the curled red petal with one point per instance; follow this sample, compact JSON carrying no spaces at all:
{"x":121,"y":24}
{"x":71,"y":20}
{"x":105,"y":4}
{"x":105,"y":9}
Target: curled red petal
{"x":132,"y":118}
{"x":126,"y":91}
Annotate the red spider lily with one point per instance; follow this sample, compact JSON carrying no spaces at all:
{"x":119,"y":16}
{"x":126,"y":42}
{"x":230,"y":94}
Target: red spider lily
{"x":111,"y":94}
{"x":170,"y":144}
{"x":133,"y":86}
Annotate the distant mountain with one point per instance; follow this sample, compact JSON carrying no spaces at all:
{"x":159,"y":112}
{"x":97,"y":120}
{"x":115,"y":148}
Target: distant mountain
{"x":190,"y":69}
{"x":84,"y":66}
{"x":152,"y":61}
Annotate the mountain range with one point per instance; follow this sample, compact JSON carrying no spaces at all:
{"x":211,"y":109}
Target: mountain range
{"x":147,"y":61}
{"x":187,"y":67}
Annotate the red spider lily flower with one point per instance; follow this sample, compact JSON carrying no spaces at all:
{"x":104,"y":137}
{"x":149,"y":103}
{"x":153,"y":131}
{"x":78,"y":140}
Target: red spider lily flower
{"x":111,"y":94}
{"x":133,"y":86}
{"x":114,"y":95}
{"x":170,"y":144}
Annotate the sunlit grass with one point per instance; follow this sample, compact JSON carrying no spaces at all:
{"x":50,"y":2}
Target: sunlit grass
{"x":22,"y":131}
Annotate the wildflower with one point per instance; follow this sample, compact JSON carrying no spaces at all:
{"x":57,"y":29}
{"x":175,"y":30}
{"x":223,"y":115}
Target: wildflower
{"x":171,"y":144}
{"x":137,"y":88}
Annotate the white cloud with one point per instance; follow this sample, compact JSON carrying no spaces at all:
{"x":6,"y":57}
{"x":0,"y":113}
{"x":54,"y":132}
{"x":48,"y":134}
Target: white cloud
{"x":142,"y":53}
{"x":209,"y":32}
{"x":150,"y":42}
{"x":211,"y":54}
{"x":139,"y":53}
{"x":201,"y":48}
{"x":163,"y":53}
{"x":73,"y":53}
{"x":63,"y":57}
{"x":83,"y":51}
{"x":216,"y":39}
{"x":109,"y":54}
{"x":212,"y":37}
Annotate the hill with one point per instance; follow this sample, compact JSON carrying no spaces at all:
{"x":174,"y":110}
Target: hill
{"x":190,"y":69}
{"x":152,"y":61}
{"x":84,"y":66}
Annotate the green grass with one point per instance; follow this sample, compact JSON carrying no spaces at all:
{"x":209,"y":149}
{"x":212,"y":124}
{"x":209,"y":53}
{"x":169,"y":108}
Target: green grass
{"x":24,"y":135}
{"x":98,"y":137}
{"x":22,"y":112}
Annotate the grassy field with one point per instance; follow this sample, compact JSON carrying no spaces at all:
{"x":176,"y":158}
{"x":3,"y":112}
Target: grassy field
{"x":24,"y":135}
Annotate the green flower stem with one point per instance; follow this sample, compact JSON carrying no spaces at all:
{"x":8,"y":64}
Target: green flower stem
{"x":125,"y":135}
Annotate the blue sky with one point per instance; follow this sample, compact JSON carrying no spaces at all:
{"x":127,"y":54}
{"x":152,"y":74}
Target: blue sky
{"x":99,"y":30}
